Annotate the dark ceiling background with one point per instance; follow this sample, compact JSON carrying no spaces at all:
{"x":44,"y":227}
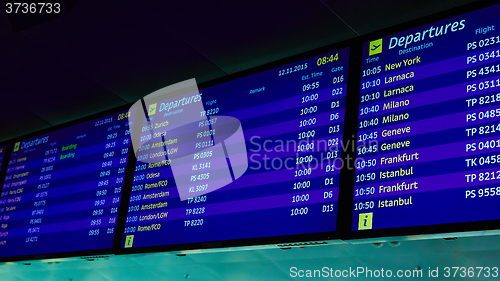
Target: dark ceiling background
{"x":102,"y":54}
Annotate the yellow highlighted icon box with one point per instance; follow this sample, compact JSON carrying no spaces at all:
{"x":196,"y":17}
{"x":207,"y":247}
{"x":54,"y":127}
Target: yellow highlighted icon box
{"x":129,"y":241}
{"x":365,"y":221}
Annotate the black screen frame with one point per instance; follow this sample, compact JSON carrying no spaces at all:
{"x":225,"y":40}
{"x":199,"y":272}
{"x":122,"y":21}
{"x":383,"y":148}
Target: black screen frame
{"x":279,"y":241}
{"x":412,"y":232}
{"x":118,"y":231}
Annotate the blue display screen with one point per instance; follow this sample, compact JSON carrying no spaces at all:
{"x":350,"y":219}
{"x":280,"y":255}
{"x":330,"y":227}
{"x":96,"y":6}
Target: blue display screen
{"x":429,"y":125}
{"x":62,"y":189}
{"x":292,"y":121}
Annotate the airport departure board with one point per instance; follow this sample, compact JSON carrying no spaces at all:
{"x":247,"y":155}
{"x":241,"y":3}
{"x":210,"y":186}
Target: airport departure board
{"x":62,"y":189}
{"x":429,"y":125}
{"x":292,"y":121}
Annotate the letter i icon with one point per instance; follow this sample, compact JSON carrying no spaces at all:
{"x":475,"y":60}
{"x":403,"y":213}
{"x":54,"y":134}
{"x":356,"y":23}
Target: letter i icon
{"x":365,"y":221}
{"x":129,"y":240}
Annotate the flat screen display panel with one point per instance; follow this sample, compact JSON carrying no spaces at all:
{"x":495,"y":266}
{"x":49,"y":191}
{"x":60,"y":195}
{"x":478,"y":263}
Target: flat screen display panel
{"x":292,"y":121}
{"x":429,"y":125}
{"x":62,"y":189}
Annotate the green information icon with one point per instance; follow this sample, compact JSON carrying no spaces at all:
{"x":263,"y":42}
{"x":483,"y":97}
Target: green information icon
{"x":365,"y":221}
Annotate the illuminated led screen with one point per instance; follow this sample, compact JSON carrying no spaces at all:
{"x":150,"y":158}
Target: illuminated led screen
{"x":2,"y":154}
{"x":292,"y":121}
{"x":62,"y":189}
